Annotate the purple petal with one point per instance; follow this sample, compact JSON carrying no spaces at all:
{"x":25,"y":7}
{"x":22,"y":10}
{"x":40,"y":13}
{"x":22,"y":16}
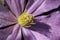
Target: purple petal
{"x":22,"y":4}
{"x":32,"y":35}
{"x":35,"y":5}
{"x":5,"y":32}
{"x":27,"y":34}
{"x":16,"y":6}
{"x":16,"y":33}
{"x":6,"y":17}
{"x":29,"y":4}
{"x":53,"y":20}
{"x":46,"y":6}
{"x":18,"y":37}
{"x":41,"y":27}
{"x":39,"y":36}
{"x":43,"y":19}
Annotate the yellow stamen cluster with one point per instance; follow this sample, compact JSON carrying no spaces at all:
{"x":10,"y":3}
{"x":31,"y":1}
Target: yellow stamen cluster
{"x":25,"y":19}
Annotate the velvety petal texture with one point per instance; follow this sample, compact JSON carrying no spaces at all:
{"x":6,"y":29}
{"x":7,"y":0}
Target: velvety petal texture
{"x":46,"y":6}
{"x":22,"y":2}
{"x":41,"y":27}
{"x":16,"y":33}
{"x":54,"y":25}
{"x":4,"y":33}
{"x":29,"y":4}
{"x":16,"y":6}
{"x":6,"y":17}
{"x":33,"y":35}
{"x":39,"y":36}
{"x":27,"y":34}
{"x":35,"y":5}
{"x":46,"y":27}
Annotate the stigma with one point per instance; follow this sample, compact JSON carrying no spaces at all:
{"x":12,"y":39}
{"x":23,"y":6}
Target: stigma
{"x":25,"y":19}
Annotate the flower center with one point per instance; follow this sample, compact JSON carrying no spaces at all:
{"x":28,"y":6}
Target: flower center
{"x":25,"y":19}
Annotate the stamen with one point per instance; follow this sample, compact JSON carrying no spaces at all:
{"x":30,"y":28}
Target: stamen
{"x":28,"y":26}
{"x":25,"y":19}
{"x":32,"y":23}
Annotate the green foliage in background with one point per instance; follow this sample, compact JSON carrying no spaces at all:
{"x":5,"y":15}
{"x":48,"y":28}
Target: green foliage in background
{"x":2,"y":1}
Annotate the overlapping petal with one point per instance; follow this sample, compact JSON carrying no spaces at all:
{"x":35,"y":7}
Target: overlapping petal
{"x":16,"y":33}
{"x":5,"y":32}
{"x":33,"y":35}
{"x":35,"y":5}
{"x":46,"y":6}
{"x":29,"y":4}
{"x":6,"y":17}
{"x":27,"y":34}
{"x":41,"y":27}
{"x":53,"y":21}
{"x":39,"y":36}
{"x":16,"y":6}
{"x":55,"y":25}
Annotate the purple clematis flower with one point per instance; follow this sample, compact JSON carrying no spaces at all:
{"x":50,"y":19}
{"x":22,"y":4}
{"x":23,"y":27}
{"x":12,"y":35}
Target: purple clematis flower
{"x":46,"y":18}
